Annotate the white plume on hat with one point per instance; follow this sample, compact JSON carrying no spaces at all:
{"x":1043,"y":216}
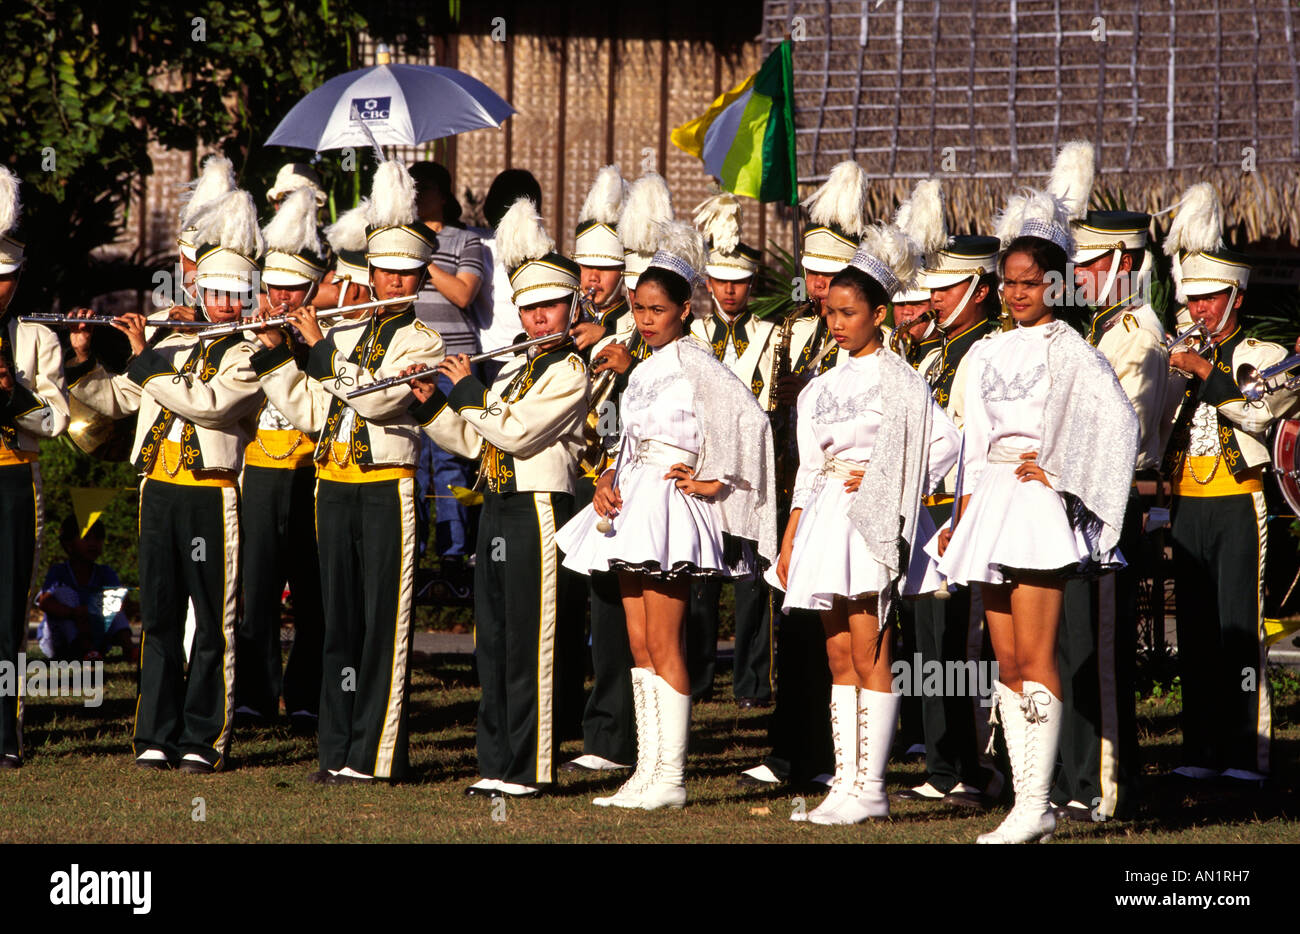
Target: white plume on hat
{"x":392,"y":195}
{"x":921,"y":217}
{"x":521,"y":235}
{"x":349,"y":231}
{"x":1033,"y":207}
{"x":10,"y":203}
{"x":605,"y":200}
{"x":215,"y":179}
{"x":842,"y":200}
{"x":895,"y":249}
{"x":293,"y":229}
{"x":1198,"y":226}
{"x":683,"y":241}
{"x":1072,"y":177}
{"x":718,"y":218}
{"x":231,"y":222}
{"x":648,"y":207}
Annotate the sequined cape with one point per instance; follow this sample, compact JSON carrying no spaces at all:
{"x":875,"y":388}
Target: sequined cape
{"x":1090,"y":434}
{"x":885,"y":507}
{"x":736,"y":447}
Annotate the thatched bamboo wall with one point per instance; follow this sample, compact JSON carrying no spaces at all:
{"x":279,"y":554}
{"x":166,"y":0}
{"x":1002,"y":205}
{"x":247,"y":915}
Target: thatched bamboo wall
{"x":1174,"y":94}
{"x":591,"y":90}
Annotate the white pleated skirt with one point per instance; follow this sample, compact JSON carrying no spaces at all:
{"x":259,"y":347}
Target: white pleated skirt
{"x":1011,"y":525}
{"x":659,"y":531}
{"x":829,"y":557}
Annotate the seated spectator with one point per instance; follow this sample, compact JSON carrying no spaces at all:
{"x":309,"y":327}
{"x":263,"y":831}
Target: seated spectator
{"x":82,"y":601}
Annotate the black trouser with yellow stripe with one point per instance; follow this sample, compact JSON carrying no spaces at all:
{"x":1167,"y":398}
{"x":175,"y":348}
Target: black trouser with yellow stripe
{"x":1219,"y":545}
{"x":948,"y":631}
{"x":609,"y":720}
{"x":752,"y":673}
{"x":278,"y":508}
{"x":189,"y":553}
{"x":20,"y":530}
{"x":1096,"y":651}
{"x":366,"y":539}
{"x":522,"y":607}
{"x":799,"y":730}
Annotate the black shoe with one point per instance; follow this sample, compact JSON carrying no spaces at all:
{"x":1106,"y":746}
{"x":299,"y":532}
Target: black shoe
{"x":319,"y":778}
{"x":10,"y":762}
{"x":760,"y":776}
{"x":1079,"y":813}
{"x":484,"y":788}
{"x":196,"y":766}
{"x":341,"y":778}
{"x":926,"y":792}
{"x":512,"y":790}
{"x":154,"y":763}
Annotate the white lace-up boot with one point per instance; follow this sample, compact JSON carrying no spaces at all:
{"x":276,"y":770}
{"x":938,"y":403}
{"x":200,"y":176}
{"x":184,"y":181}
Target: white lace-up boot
{"x":844,"y":734}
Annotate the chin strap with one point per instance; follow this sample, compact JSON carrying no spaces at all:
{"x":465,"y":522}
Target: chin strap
{"x":1227,"y":309}
{"x":1103,"y":297}
{"x":946,"y":323}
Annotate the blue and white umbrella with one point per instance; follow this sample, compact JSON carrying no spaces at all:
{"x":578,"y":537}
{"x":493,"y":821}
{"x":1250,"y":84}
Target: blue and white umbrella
{"x":400,"y":105}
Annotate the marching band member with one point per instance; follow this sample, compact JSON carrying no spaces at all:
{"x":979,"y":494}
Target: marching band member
{"x":599,"y":253}
{"x":1216,"y":458}
{"x":291,"y":177}
{"x":915,"y":333}
{"x":608,"y":720}
{"x":365,"y":484}
{"x":798,"y":730}
{"x":962,"y":282}
{"x":871,"y":444}
{"x":215,"y":180}
{"x":1098,"y":648}
{"x":1045,"y":419}
{"x":33,"y":405}
{"x":749,"y":346}
{"x":194,"y":398}
{"x":278,"y":505}
{"x":681,"y":480}
{"x":526,"y":428}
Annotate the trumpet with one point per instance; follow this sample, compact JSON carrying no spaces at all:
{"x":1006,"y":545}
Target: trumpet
{"x":277,"y":321}
{"x":389,"y":382}
{"x":54,"y":320}
{"x":1198,"y":333}
{"x":1256,"y":384}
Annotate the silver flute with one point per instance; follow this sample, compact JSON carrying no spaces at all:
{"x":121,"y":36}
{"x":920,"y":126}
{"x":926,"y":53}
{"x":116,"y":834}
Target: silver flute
{"x":277,"y":321}
{"x":391,"y":381}
{"x":51,"y":320}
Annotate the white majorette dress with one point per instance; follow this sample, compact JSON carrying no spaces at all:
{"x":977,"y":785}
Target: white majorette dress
{"x":659,"y":529}
{"x":839,"y":417}
{"x":1009,"y":524}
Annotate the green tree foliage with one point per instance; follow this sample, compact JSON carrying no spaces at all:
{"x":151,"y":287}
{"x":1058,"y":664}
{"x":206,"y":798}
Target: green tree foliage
{"x":86,"y":88}
{"x":63,"y":467}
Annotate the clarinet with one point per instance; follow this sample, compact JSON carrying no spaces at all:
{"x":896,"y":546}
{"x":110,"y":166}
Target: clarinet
{"x":782,"y":417}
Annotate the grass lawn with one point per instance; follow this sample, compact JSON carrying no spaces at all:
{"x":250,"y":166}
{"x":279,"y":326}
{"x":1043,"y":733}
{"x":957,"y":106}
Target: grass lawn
{"x":79,"y":785}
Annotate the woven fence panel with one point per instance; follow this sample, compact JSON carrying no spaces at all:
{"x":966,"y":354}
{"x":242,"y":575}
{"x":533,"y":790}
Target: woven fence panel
{"x":480,"y":154}
{"x":585,"y":119}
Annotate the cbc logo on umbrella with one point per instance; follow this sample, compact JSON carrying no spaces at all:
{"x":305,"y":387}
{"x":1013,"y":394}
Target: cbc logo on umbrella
{"x":372,"y":108}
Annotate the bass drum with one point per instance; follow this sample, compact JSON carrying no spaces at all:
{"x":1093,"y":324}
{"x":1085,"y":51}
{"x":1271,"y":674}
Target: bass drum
{"x":1286,"y":461}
